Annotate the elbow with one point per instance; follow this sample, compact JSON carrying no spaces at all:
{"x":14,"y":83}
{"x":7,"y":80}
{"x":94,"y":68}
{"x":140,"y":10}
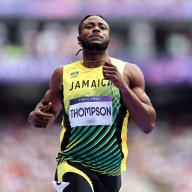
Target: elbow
{"x":147,"y":131}
{"x":151,"y":124}
{"x":145,"y":125}
{"x":145,"y":128}
{"x":149,"y":128}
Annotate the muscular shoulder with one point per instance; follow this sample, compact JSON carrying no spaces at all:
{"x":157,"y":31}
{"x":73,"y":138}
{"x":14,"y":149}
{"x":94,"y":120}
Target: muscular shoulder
{"x":56,"y":78}
{"x":133,"y":75}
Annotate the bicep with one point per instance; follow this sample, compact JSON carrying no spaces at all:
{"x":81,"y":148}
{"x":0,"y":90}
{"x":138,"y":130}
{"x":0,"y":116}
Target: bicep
{"x":137,"y":84}
{"x":56,"y":79}
{"x":53,"y":94}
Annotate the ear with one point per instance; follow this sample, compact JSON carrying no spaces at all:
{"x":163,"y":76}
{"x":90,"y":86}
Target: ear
{"x":79,"y":40}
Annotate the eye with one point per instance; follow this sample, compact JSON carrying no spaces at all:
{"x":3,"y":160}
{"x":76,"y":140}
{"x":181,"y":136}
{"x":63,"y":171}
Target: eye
{"x":88,"y":27}
{"x":103,"y":27}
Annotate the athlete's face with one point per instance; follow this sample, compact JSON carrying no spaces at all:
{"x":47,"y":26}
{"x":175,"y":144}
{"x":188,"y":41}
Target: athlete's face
{"x":94,"y":34}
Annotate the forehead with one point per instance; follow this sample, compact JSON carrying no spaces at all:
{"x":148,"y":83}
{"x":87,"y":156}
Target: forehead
{"x":95,"y":19}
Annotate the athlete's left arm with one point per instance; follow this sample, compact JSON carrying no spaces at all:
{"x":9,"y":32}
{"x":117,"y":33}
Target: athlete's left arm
{"x":132,"y":87}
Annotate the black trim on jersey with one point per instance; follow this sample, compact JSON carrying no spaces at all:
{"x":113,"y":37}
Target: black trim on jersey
{"x":67,"y":134}
{"x":119,"y":121}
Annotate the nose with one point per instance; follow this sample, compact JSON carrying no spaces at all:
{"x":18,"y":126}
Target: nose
{"x":96,"y":29}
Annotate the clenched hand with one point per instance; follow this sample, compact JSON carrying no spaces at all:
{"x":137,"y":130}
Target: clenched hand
{"x":41,"y":116}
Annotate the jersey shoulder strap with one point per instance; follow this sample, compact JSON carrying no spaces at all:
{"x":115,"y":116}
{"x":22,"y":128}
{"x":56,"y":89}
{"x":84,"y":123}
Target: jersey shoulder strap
{"x":119,"y":64}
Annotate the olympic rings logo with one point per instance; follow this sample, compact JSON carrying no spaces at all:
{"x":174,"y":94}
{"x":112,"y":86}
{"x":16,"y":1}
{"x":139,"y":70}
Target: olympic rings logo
{"x":90,"y":121}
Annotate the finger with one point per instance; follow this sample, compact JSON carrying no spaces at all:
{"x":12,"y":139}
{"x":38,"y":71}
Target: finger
{"x":108,"y":77}
{"x":40,"y":125}
{"x":43,"y":115}
{"x":108,"y":73}
{"x":46,"y":107}
{"x":110,"y":68}
{"x":108,"y":63}
{"x":41,"y":120}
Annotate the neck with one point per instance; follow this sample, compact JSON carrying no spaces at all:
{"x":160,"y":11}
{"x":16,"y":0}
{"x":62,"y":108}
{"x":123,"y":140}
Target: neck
{"x":93,"y":60}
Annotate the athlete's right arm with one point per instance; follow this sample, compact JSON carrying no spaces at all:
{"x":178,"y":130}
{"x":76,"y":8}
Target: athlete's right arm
{"x":50,"y":106}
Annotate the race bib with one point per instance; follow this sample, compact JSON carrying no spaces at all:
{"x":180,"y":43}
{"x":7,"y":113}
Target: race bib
{"x":86,"y":111}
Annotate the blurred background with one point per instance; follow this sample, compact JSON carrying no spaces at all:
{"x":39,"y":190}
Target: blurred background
{"x":36,"y":36}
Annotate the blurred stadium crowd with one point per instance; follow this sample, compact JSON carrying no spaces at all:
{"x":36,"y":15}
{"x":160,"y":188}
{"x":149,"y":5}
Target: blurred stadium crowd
{"x":38,"y":36}
{"x":159,"y":162}
{"x":159,"y":47}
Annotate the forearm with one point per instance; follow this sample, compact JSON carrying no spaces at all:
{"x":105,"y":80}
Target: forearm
{"x":143,"y":115}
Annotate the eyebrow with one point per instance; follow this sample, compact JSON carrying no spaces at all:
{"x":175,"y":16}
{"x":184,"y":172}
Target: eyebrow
{"x":93,"y":23}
